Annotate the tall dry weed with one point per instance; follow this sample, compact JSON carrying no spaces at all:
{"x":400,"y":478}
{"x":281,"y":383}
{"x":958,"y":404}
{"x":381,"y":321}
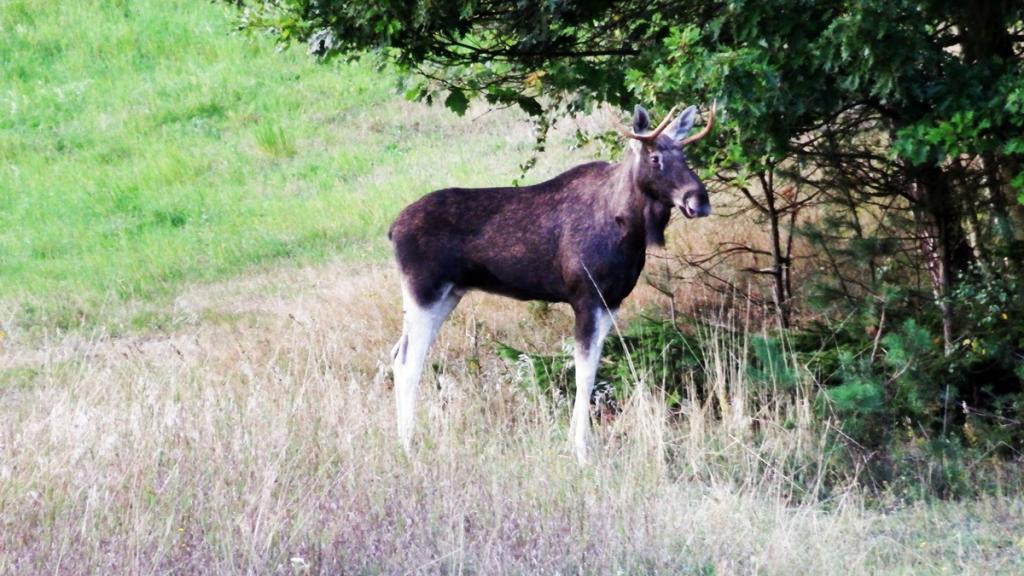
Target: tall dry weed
{"x":258,"y":438}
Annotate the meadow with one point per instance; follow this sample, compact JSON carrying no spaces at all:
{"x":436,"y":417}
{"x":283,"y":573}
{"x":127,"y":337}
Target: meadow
{"x":153,"y":147}
{"x":196,"y":308}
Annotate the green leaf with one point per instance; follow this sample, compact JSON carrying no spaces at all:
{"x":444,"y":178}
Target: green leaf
{"x":457,"y":101}
{"x":1018,"y":183}
{"x":859,"y":395}
{"x":530,"y":105}
{"x":508,"y":353}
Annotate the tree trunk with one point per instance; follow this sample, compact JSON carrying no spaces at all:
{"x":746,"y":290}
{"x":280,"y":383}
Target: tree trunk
{"x":943,"y":241}
{"x":987,"y":37}
{"x":780,"y":261}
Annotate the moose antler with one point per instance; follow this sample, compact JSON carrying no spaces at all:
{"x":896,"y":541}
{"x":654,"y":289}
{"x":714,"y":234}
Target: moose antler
{"x":649,"y":137}
{"x":707,"y":127}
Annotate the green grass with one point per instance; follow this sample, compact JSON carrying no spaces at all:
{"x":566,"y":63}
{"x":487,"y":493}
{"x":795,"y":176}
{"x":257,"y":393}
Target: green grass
{"x":144,"y":145}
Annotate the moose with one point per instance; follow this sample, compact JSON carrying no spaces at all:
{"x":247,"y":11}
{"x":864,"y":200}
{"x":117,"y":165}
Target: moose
{"x":579,"y":238}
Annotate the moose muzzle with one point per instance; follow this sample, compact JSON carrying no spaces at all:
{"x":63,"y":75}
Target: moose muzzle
{"x":695,"y":204}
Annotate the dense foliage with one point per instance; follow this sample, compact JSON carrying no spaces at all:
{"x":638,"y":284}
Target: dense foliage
{"x":886,"y":136}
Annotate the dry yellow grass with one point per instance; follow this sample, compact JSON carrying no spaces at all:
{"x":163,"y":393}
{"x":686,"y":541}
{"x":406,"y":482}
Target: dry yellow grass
{"x":256,"y":436}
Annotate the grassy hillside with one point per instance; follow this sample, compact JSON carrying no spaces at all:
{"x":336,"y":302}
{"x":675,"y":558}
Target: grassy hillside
{"x":144,"y":145}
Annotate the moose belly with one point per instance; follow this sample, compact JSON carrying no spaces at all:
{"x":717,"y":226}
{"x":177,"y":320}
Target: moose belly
{"x":518,"y":280}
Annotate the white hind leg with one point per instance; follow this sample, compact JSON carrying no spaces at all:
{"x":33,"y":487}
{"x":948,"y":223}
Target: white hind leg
{"x":420,"y":326}
{"x":592,"y":325}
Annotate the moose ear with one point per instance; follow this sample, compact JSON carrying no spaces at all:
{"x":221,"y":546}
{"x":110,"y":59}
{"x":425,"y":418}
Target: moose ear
{"x":681,"y":126}
{"x":641,"y":121}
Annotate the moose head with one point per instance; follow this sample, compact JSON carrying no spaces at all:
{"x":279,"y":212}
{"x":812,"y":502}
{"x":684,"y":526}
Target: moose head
{"x":661,"y":170}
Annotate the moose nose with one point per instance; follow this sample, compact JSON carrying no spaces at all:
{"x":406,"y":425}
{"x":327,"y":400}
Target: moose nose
{"x":698,"y":207}
{"x":695,"y":206}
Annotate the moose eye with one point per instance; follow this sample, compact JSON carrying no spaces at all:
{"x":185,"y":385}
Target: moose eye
{"x":656,"y":161}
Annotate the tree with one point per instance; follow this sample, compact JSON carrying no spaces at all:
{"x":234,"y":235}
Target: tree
{"x":903,"y":117}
